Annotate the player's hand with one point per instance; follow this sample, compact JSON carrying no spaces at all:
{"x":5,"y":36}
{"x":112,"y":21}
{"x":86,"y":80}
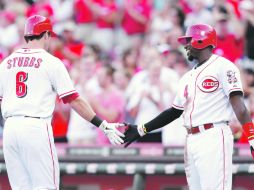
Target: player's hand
{"x":133,"y":133}
{"x":112,"y":133}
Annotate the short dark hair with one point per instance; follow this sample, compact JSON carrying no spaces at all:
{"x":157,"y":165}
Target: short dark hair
{"x":35,"y":37}
{"x":109,"y":70}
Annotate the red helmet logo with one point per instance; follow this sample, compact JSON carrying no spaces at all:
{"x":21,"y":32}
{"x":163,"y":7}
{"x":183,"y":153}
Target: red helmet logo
{"x":208,"y":84}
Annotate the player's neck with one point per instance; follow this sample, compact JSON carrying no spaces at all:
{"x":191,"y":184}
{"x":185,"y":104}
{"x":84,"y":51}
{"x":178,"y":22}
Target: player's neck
{"x":203,"y":59}
{"x":34,"y":45}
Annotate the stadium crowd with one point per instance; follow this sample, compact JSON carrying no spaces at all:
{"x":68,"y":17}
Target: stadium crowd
{"x":123,"y":56}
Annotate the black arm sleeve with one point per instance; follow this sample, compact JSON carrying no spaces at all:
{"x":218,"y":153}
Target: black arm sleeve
{"x":163,"y":119}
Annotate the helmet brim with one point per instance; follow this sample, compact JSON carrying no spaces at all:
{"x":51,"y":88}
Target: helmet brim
{"x":184,"y":40}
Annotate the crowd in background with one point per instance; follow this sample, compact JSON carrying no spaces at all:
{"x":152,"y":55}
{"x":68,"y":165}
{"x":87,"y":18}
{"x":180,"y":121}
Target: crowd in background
{"x":124,"y":58}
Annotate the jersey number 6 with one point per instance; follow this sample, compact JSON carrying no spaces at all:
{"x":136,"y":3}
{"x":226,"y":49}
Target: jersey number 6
{"x":21,"y":87}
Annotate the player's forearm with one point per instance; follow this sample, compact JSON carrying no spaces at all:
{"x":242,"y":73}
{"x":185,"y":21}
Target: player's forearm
{"x":240,"y":110}
{"x":243,"y":116}
{"x":82,"y":107}
{"x":163,"y":119}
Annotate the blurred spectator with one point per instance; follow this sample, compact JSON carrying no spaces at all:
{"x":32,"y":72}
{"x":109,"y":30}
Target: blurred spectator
{"x":171,"y":38}
{"x":109,"y":102}
{"x":199,"y":13}
{"x":106,"y":14}
{"x":136,"y":16}
{"x":18,"y":7}
{"x":79,"y":130}
{"x":68,"y":48}
{"x":40,"y":7}
{"x":121,"y":79}
{"x":247,"y":13}
{"x":84,"y":18}
{"x":160,"y":24}
{"x":60,"y":122}
{"x":150,"y":92}
{"x":9,"y":36}
{"x":176,"y":61}
{"x":63,"y":10}
{"x":130,"y":61}
{"x":248,"y":77}
{"x":230,"y":44}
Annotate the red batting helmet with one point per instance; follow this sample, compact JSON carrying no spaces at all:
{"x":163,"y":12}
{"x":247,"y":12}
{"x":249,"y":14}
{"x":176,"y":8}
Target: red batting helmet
{"x":37,"y":24}
{"x":200,"y":36}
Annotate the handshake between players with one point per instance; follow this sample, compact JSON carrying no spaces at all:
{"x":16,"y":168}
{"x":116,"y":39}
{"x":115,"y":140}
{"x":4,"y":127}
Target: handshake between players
{"x":135,"y":132}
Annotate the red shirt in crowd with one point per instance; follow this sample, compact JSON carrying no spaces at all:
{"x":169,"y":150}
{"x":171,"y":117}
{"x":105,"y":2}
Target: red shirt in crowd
{"x":132,"y":26}
{"x":229,"y":47}
{"x":59,"y":123}
{"x":38,"y":8}
{"x":82,"y":12}
{"x":106,"y":9}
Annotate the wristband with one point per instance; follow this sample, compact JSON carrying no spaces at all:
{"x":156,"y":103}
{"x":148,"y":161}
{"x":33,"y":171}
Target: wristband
{"x":96,"y":121}
{"x":142,"y":130}
{"x":248,"y":129}
{"x":251,"y":142}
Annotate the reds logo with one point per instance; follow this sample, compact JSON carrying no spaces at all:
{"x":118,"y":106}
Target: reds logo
{"x":208,"y":84}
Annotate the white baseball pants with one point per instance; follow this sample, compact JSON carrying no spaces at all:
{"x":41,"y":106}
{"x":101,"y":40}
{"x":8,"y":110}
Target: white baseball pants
{"x":30,"y":154}
{"x":208,"y":159}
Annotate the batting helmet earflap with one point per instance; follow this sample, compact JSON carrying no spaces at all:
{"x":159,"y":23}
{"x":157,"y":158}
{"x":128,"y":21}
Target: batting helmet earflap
{"x":200,"y":36}
{"x":37,"y":24}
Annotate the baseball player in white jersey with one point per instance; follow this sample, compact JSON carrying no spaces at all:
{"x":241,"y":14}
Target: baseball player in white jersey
{"x":207,"y":97}
{"x":30,"y":79}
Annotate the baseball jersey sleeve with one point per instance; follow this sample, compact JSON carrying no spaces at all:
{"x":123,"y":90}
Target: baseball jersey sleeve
{"x":180,"y":97}
{"x":62,"y":82}
{"x":229,"y":76}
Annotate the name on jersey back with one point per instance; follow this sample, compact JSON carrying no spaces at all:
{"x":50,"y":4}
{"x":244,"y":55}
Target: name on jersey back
{"x":24,"y":62}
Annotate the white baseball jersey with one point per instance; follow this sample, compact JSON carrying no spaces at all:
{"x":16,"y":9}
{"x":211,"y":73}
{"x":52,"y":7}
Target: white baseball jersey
{"x":204,"y":91}
{"x":30,"y":79}
{"x":29,"y":82}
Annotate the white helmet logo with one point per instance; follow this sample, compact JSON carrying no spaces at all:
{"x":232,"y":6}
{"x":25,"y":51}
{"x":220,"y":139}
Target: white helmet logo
{"x":202,"y":33}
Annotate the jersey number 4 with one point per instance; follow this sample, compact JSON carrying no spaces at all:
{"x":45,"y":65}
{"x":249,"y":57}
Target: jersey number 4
{"x":21,"y":87}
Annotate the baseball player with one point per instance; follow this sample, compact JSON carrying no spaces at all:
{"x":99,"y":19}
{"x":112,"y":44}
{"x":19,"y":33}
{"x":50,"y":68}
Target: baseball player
{"x":30,"y":79}
{"x":207,"y":97}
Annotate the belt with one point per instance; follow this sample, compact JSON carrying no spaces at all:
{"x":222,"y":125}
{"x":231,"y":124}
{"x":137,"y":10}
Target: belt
{"x":195,"y":130}
{"x":24,"y":116}
{"x":32,"y":117}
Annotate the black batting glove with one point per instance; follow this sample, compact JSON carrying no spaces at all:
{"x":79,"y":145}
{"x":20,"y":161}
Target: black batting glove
{"x":133,"y":133}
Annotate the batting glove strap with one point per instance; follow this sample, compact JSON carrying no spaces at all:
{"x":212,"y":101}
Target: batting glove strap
{"x":141,"y":130}
{"x":112,"y":133}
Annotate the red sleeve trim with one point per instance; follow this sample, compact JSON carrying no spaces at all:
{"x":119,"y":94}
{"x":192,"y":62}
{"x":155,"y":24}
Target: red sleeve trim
{"x":177,"y":107}
{"x":69,"y":98}
{"x":67,"y":93}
